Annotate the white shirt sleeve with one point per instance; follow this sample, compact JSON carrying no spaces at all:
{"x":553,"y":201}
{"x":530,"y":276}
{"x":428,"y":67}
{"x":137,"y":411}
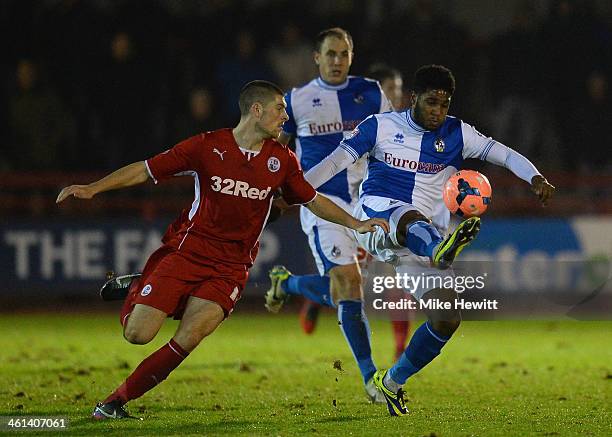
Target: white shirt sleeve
{"x":476,"y":145}
{"x":333,"y":164}
{"x":356,"y":144}
{"x":513,"y":161}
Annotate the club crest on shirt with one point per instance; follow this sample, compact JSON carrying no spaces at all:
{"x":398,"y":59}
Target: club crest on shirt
{"x":439,"y":145}
{"x":146,"y":290}
{"x":273,"y":164}
{"x":336,"y":252}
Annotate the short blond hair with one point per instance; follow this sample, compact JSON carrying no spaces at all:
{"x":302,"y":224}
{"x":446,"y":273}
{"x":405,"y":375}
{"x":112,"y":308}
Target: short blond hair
{"x":336,"y":32}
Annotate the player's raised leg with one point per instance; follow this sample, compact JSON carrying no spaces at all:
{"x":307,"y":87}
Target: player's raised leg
{"x":284,"y":284}
{"x":117,"y":287}
{"x":331,"y":245}
{"x":314,"y":289}
{"x":416,"y":232}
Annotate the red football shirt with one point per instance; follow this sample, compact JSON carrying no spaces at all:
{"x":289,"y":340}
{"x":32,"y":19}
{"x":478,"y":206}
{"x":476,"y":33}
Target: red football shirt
{"x":233,"y":195}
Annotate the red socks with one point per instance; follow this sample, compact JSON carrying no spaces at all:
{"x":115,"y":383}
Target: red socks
{"x":153,"y":370}
{"x":401,"y":329}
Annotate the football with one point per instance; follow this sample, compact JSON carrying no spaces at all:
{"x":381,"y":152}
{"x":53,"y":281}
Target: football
{"x":467,"y":193}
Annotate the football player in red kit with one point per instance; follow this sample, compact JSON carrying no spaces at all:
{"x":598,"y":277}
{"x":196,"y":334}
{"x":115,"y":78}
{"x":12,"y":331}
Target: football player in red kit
{"x":200,"y":272}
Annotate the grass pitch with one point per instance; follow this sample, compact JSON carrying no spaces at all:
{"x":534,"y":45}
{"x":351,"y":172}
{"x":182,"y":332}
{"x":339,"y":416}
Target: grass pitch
{"x":259,"y":375}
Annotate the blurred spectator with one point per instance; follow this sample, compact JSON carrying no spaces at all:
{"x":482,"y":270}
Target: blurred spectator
{"x":200,"y":117}
{"x":234,"y":71}
{"x":292,"y":58}
{"x":123,"y":97}
{"x":391,"y":83}
{"x":576,"y":42}
{"x":515,"y":85}
{"x":41,"y":130}
{"x":591,"y":143}
{"x":124,"y":104}
{"x":69,"y":32}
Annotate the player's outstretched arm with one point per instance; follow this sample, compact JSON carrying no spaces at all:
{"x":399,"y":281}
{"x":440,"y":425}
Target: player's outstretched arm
{"x":328,"y":210}
{"x":333,"y":164}
{"x":504,"y":156}
{"x":350,"y":149}
{"x":487,"y":149}
{"x":132,"y":174}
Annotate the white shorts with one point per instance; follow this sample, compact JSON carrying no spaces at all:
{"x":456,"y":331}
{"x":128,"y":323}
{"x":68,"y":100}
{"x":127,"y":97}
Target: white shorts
{"x":386,"y":248}
{"x":331,"y":244}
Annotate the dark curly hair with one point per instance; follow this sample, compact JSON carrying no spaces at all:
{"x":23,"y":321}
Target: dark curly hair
{"x":433,"y":77}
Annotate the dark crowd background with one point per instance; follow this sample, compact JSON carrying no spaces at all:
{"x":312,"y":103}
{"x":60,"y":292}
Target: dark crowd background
{"x":94,"y":85}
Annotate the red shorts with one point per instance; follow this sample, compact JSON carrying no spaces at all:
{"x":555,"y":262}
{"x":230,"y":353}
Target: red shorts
{"x":169,"y":278}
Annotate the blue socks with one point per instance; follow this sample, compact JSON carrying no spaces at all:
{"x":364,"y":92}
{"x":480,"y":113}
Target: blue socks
{"x":354,"y":325}
{"x":313,"y":287}
{"x":351,"y":317}
{"x":424,"y":346}
{"x":422,"y":238}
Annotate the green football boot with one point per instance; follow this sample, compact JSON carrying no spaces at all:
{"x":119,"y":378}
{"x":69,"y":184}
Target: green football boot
{"x":395,"y":401}
{"x":452,"y":246}
{"x":276,"y":296}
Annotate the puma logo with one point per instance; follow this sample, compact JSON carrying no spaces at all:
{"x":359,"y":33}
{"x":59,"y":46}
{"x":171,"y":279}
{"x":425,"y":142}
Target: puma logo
{"x":219,"y":153}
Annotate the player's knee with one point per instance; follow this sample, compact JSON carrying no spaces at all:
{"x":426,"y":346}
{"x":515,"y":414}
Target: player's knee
{"x":446,"y":327}
{"x":404,"y":221}
{"x":136,"y":336}
{"x":346,"y":285}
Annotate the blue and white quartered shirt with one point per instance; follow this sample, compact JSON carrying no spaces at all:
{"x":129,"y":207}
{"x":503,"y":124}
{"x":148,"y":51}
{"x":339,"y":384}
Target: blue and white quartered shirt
{"x":411,"y":164}
{"x":321,"y":115}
